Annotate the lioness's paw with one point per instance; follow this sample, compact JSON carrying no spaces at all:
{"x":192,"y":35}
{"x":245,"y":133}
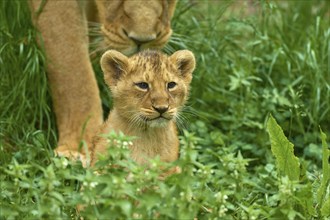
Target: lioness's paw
{"x":72,"y":155}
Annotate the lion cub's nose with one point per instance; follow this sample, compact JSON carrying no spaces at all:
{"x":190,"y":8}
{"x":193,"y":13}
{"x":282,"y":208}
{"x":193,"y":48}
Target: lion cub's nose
{"x":160,"y":109}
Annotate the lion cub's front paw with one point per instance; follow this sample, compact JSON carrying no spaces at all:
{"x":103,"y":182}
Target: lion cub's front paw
{"x":72,"y":155}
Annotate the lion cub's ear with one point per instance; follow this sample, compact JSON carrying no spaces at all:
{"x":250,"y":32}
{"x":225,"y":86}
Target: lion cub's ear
{"x":185,"y":62}
{"x":114,"y":66}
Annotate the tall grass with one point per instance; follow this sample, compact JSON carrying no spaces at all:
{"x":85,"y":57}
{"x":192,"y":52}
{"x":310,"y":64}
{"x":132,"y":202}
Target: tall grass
{"x":26,"y":119}
{"x":273,"y":57}
{"x":253,"y":59}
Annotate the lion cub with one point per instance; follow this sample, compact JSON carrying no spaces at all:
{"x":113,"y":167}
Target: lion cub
{"x":149,"y":89}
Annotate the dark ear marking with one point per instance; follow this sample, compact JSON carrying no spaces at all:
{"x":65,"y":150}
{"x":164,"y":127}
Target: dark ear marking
{"x":185,"y":62}
{"x":183,"y":66}
{"x":117,"y":69}
{"x":114,"y":66}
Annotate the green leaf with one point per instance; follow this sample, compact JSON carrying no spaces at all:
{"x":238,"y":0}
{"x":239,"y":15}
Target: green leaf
{"x":304,"y":195}
{"x":125,"y":206}
{"x":322,"y":191}
{"x":287,"y":163}
{"x":325,"y":210}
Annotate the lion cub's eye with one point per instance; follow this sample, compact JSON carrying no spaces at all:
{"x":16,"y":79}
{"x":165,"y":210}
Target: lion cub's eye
{"x":171,"y":85}
{"x":142,"y":85}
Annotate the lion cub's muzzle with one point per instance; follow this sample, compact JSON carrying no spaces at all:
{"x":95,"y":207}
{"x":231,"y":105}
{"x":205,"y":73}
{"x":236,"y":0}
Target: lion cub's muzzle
{"x":161,"y":112}
{"x":161,"y":115}
{"x":161,"y":109}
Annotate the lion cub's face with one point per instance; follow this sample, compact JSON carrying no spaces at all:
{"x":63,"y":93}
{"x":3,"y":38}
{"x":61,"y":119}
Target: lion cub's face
{"x":130,"y":26}
{"x":150,"y":88}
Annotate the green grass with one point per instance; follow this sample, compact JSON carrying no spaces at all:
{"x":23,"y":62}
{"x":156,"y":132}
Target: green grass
{"x":26,"y":119}
{"x":250,"y":64}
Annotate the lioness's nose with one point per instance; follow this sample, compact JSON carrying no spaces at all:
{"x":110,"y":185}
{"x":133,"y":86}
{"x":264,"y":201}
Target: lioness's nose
{"x":160,"y":109}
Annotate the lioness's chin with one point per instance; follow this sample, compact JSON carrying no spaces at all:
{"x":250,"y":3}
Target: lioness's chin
{"x":128,"y":51}
{"x":128,"y":47}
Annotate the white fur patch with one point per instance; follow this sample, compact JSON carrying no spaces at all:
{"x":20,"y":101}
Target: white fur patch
{"x":158,"y":123}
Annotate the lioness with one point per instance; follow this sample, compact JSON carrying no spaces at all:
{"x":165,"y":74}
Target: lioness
{"x":128,"y":26}
{"x":149,"y":89}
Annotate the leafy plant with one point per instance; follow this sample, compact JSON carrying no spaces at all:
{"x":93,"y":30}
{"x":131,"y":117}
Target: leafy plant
{"x":323,"y":191}
{"x":253,"y":60}
{"x":287,"y":162}
{"x":296,"y":195}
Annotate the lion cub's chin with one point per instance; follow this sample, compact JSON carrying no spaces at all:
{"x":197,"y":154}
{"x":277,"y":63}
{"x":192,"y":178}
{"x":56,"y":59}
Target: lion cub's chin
{"x":158,"y":123}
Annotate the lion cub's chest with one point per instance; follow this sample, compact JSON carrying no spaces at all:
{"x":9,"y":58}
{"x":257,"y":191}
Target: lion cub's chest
{"x":148,"y":143}
{"x":156,"y":143}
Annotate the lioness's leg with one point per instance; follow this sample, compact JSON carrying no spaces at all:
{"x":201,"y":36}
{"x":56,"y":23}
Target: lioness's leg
{"x":73,"y":85}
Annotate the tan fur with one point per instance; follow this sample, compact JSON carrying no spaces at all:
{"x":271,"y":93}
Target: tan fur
{"x":149,"y":113}
{"x":128,"y":26}
{"x":131,"y":26}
